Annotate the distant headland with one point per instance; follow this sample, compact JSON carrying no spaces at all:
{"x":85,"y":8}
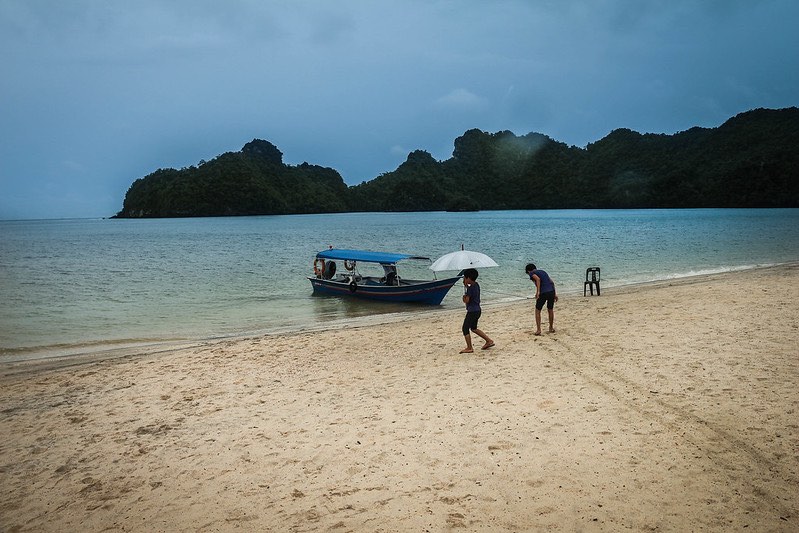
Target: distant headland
{"x":752,"y":160}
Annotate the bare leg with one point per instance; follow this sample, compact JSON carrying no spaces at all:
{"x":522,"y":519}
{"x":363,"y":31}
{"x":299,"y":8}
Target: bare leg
{"x":551,"y":313}
{"x":488,"y":342}
{"x":468,"y":348}
{"x":538,"y":322}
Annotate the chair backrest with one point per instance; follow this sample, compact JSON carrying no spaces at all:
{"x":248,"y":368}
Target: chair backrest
{"x":592,"y":274}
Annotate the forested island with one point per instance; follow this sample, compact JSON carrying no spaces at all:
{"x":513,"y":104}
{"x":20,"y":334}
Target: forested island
{"x":752,"y":160}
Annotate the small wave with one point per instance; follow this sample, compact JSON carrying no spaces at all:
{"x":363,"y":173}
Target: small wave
{"x":53,"y":351}
{"x":717,"y":270}
{"x":687,"y":274}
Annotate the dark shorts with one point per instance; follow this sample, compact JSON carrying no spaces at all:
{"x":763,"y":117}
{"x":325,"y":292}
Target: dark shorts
{"x":546,"y":297}
{"x":470,"y":322}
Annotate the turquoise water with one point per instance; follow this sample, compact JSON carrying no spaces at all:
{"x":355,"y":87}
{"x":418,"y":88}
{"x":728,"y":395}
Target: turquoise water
{"x":74,"y":286}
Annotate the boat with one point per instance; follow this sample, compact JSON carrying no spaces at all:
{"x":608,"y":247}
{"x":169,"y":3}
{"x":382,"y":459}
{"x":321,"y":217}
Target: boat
{"x":346,"y":280}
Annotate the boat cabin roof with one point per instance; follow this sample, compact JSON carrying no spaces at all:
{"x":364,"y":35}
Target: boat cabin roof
{"x":365,"y":256}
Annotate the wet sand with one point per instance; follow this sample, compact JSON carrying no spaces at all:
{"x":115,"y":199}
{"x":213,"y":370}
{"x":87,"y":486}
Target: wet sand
{"x":668,"y":407}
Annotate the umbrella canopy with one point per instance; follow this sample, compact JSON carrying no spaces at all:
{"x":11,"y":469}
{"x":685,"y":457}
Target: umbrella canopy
{"x":462,"y":259}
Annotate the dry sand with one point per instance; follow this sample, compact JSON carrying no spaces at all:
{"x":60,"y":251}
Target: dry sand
{"x":669,"y":407}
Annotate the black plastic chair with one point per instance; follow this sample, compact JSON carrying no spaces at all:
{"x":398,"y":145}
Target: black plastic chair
{"x":591,"y":279}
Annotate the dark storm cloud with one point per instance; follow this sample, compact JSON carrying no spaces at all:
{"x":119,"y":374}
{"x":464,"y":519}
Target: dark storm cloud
{"x":96,"y":94}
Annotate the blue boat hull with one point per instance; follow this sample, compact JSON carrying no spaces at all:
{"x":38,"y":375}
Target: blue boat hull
{"x":426,"y":292}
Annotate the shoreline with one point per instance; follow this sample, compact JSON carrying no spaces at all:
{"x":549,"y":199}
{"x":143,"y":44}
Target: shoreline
{"x":668,"y":407}
{"x":70,"y":355}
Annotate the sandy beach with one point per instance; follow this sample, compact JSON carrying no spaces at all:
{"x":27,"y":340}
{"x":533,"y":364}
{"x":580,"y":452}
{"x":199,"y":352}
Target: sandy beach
{"x":667,"y":407}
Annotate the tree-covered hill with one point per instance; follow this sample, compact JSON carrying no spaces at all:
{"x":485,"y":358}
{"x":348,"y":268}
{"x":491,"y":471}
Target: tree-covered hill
{"x":752,"y":160}
{"x":253,"y":181}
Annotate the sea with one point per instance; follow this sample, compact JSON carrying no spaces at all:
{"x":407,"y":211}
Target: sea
{"x":110,"y":286}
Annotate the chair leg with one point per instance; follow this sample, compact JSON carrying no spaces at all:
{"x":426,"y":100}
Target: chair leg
{"x":589,"y":285}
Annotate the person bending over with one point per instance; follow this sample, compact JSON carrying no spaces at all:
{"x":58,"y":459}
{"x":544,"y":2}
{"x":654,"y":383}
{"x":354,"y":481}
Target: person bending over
{"x":544,"y":294}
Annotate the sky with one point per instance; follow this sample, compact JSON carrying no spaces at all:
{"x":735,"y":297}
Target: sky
{"x":95,"y":94}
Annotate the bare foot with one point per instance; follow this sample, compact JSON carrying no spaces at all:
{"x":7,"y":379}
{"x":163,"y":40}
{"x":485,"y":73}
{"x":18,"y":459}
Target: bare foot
{"x":552,"y":330}
{"x":488,"y":345}
{"x":467,"y":350}
{"x":537,"y":333}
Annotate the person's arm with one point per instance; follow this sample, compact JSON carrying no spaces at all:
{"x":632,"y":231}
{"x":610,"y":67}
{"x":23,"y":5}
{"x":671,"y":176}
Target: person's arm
{"x":537,"y":282}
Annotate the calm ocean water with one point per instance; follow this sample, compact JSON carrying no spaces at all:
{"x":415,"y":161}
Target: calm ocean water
{"x":77,"y":286}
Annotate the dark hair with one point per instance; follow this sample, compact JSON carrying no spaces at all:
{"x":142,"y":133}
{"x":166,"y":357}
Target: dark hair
{"x":471,"y":273}
{"x":529,"y":267}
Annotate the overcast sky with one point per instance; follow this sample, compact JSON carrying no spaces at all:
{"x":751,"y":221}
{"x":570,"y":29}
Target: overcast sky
{"x":97,"y":93}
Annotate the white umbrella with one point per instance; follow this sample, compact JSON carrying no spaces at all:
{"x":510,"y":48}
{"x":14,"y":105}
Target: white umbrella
{"x":462,"y":259}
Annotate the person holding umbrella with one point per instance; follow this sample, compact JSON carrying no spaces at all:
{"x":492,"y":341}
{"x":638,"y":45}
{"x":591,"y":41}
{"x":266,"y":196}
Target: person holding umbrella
{"x":467,"y":261}
{"x":471,"y":298}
